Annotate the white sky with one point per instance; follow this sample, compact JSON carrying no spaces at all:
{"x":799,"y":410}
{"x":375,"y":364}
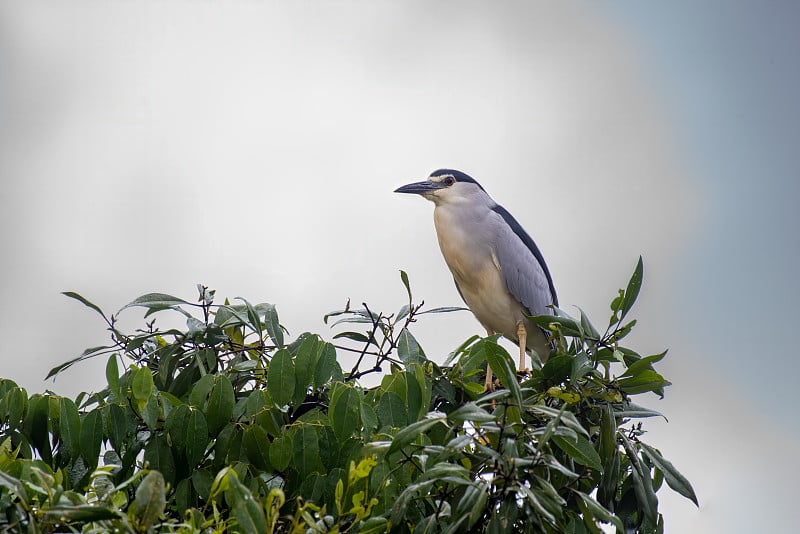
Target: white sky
{"x":254,"y":147}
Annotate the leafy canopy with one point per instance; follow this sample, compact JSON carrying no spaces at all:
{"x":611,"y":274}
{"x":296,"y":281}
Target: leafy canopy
{"x":227,"y":425}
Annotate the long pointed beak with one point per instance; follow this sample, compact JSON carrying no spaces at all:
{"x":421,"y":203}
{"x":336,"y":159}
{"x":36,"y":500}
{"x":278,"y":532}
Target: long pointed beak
{"x":420,"y":188}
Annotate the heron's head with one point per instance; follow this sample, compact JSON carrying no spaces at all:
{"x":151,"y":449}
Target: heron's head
{"x":445,"y":186}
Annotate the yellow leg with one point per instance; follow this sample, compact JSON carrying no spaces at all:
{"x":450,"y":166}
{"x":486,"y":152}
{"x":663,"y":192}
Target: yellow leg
{"x":489,"y":386}
{"x":522,"y":336}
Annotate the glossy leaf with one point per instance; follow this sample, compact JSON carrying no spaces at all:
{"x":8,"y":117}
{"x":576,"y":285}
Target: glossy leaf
{"x":600,"y":512}
{"x":404,"y":279}
{"x":150,"y":500}
{"x":408,"y":350}
{"x":256,"y":445}
{"x":392,"y":410}
{"x":200,"y":391}
{"x":502,"y":366}
{"x":306,"y":450}
{"x":91,"y":436}
{"x":196,"y":440}
{"x":156,"y":300}
{"x":470,"y":412}
{"x":273,"y":326}
{"x":580,"y":450}
{"x":85,"y":302}
{"x":253,"y":317}
{"x":117,"y":424}
{"x":69,"y":429}
{"x":632,"y":291}
{"x":326,"y":365}
{"x":85,"y":355}
{"x":305,"y":364}
{"x":644,"y":381}
{"x":281,"y":378}
{"x":158,"y":456}
{"x":409,"y":433}
{"x":674,"y":478}
{"x":344,"y":411}
{"x":220,"y":404}
{"x":112,"y":373}
{"x":246,"y":510}
{"x":142,"y":386}
{"x":281,"y":452}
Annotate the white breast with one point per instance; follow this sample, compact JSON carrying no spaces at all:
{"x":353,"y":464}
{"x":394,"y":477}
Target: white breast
{"x":476,"y":271}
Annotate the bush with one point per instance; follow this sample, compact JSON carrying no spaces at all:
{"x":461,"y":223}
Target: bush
{"x":226,"y":426}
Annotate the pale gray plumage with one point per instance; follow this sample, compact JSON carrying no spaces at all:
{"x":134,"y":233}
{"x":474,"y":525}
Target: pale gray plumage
{"x":497,"y":268}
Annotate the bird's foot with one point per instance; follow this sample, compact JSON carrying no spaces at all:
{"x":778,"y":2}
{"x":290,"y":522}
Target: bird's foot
{"x":490,"y":385}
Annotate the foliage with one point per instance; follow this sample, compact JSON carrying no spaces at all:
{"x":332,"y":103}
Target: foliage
{"x":226,"y":426}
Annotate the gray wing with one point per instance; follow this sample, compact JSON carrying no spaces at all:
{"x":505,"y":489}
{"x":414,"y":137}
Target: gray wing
{"x":522,"y":266}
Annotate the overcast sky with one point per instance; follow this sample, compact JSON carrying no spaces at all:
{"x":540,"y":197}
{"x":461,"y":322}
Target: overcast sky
{"x":254,"y":147}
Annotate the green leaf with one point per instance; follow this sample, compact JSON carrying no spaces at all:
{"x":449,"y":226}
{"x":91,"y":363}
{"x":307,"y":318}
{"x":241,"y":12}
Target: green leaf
{"x":112,"y":373}
{"x":644,"y":381}
{"x":306,"y":450}
{"x":252,"y":316}
{"x":85,"y":355}
{"x":444,"y":309}
{"x":273,"y":325}
{"x":326,"y":365}
{"x":566,"y":324}
{"x":635,"y":411}
{"x":581,"y":451}
{"x":502,"y":366}
{"x":17,"y":406}
{"x":344,"y":411}
{"x":82,"y":300}
{"x":369,"y":418}
{"x":392,"y":410}
{"x":150,"y":412}
{"x":568,"y":418}
{"x":83,"y":513}
{"x":142,"y":385}
{"x":404,"y":278}
{"x":281,"y":378}
{"x":70,"y":428}
{"x":305,"y":363}
{"x":200,"y":391}
{"x":408,"y":434}
{"x":634,"y":285}
{"x":473,"y":502}
{"x":256,"y":446}
{"x":642,"y":483}
{"x":246,"y":510}
{"x":413,"y":397}
{"x":470,"y":412}
{"x":157,"y":300}
{"x":196,"y":437}
{"x":374,"y":525}
{"x":408,"y":350}
{"x":643,"y":364}
{"x":158,"y":456}
{"x":588,"y":327}
{"x":175,"y":425}
{"x":220,"y":404}
{"x":598,"y":511}
{"x":280,"y":452}
{"x":674,"y":478}
{"x":91,"y":437}
{"x":150,"y":500}
{"x":117,"y":426}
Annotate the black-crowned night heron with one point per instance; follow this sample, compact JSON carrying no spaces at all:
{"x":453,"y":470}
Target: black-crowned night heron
{"x":498,"y":269}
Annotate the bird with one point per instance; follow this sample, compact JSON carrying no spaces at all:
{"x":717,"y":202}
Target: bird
{"x":498,"y":270}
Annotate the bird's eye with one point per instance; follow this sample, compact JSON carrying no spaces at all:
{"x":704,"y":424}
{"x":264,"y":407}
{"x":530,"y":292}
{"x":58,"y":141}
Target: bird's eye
{"x":449,"y":180}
